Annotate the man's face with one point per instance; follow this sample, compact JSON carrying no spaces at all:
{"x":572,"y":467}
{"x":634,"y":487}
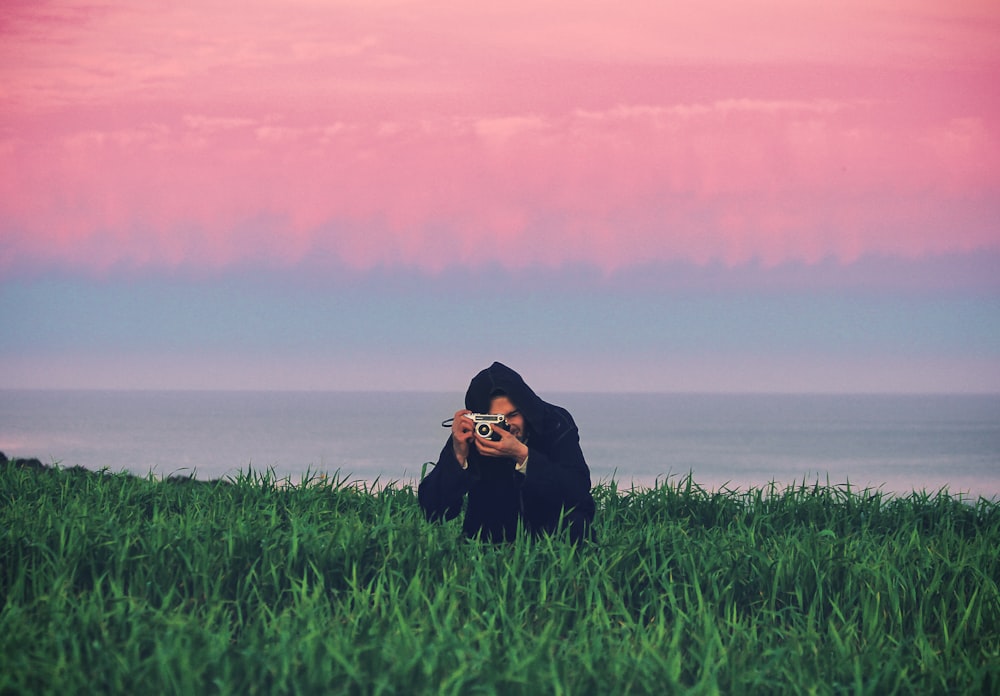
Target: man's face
{"x":502,"y":405}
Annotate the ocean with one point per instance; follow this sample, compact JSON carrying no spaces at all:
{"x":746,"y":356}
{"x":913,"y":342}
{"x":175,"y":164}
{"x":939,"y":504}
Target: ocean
{"x":894,"y":443}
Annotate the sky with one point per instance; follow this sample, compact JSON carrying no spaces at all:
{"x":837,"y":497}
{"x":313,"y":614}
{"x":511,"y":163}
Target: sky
{"x":769,"y":195}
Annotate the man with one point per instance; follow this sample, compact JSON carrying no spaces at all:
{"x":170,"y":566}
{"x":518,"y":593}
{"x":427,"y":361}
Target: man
{"x":535,"y":472}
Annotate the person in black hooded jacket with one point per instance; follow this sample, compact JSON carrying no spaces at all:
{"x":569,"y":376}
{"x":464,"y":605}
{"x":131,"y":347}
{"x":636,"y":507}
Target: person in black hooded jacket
{"x":534,"y":473}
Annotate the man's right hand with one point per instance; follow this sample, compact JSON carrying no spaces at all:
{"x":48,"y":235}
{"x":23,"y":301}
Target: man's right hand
{"x":461,"y":435}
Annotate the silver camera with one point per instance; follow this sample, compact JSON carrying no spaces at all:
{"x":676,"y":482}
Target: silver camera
{"x":486,"y":422}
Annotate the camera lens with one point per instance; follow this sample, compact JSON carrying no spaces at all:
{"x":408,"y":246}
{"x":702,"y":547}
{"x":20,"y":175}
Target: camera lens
{"x":484,"y":429}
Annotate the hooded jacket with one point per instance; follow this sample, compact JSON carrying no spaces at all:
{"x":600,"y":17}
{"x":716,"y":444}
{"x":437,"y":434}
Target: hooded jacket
{"x":556,"y":484}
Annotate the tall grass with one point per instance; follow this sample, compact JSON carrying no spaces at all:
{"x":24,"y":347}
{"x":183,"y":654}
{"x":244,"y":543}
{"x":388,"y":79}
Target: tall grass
{"x":117,"y":584}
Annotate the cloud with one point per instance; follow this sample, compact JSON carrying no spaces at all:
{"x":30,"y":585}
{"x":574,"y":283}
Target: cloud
{"x":733,"y":180}
{"x":367,"y":135}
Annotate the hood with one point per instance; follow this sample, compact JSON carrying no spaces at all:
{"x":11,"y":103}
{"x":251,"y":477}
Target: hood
{"x":500,"y":377}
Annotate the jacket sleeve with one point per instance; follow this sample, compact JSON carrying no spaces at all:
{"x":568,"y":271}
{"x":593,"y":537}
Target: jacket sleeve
{"x":443,"y":489}
{"x":559,"y":474}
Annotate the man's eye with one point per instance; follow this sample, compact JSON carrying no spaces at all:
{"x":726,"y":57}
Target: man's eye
{"x":513,"y":414}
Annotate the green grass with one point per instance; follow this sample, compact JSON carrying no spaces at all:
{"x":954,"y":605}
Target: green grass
{"x":116,"y":584}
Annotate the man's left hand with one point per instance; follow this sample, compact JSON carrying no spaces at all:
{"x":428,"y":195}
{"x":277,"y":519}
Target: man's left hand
{"x":507,"y":446}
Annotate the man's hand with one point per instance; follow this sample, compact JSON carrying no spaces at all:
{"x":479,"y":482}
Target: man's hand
{"x":507,"y":446}
{"x":461,"y":436}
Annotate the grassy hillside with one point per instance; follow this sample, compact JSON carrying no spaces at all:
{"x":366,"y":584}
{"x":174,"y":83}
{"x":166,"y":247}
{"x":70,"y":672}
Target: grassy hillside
{"x":117,"y":584}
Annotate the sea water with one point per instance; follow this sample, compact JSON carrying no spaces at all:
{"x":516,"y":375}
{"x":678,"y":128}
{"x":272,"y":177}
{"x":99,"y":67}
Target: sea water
{"x":895,"y":443}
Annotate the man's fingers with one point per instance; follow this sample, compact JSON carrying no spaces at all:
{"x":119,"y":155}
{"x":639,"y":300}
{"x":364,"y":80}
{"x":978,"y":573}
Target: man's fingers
{"x":490,"y":448}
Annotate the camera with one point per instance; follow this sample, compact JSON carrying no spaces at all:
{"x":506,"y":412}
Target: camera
{"x":486,"y":422}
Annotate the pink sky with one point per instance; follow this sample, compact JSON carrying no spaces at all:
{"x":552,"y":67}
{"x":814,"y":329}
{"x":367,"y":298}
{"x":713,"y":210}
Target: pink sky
{"x":371,"y":133}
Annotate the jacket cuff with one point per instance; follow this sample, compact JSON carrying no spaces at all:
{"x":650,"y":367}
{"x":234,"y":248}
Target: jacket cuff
{"x":522,"y":468}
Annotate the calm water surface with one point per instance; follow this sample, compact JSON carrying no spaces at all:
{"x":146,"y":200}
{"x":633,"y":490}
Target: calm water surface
{"x":897,"y":443}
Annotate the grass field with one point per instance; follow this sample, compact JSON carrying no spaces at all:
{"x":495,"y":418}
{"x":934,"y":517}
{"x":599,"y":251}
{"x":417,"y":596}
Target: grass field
{"x":111,"y":583}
